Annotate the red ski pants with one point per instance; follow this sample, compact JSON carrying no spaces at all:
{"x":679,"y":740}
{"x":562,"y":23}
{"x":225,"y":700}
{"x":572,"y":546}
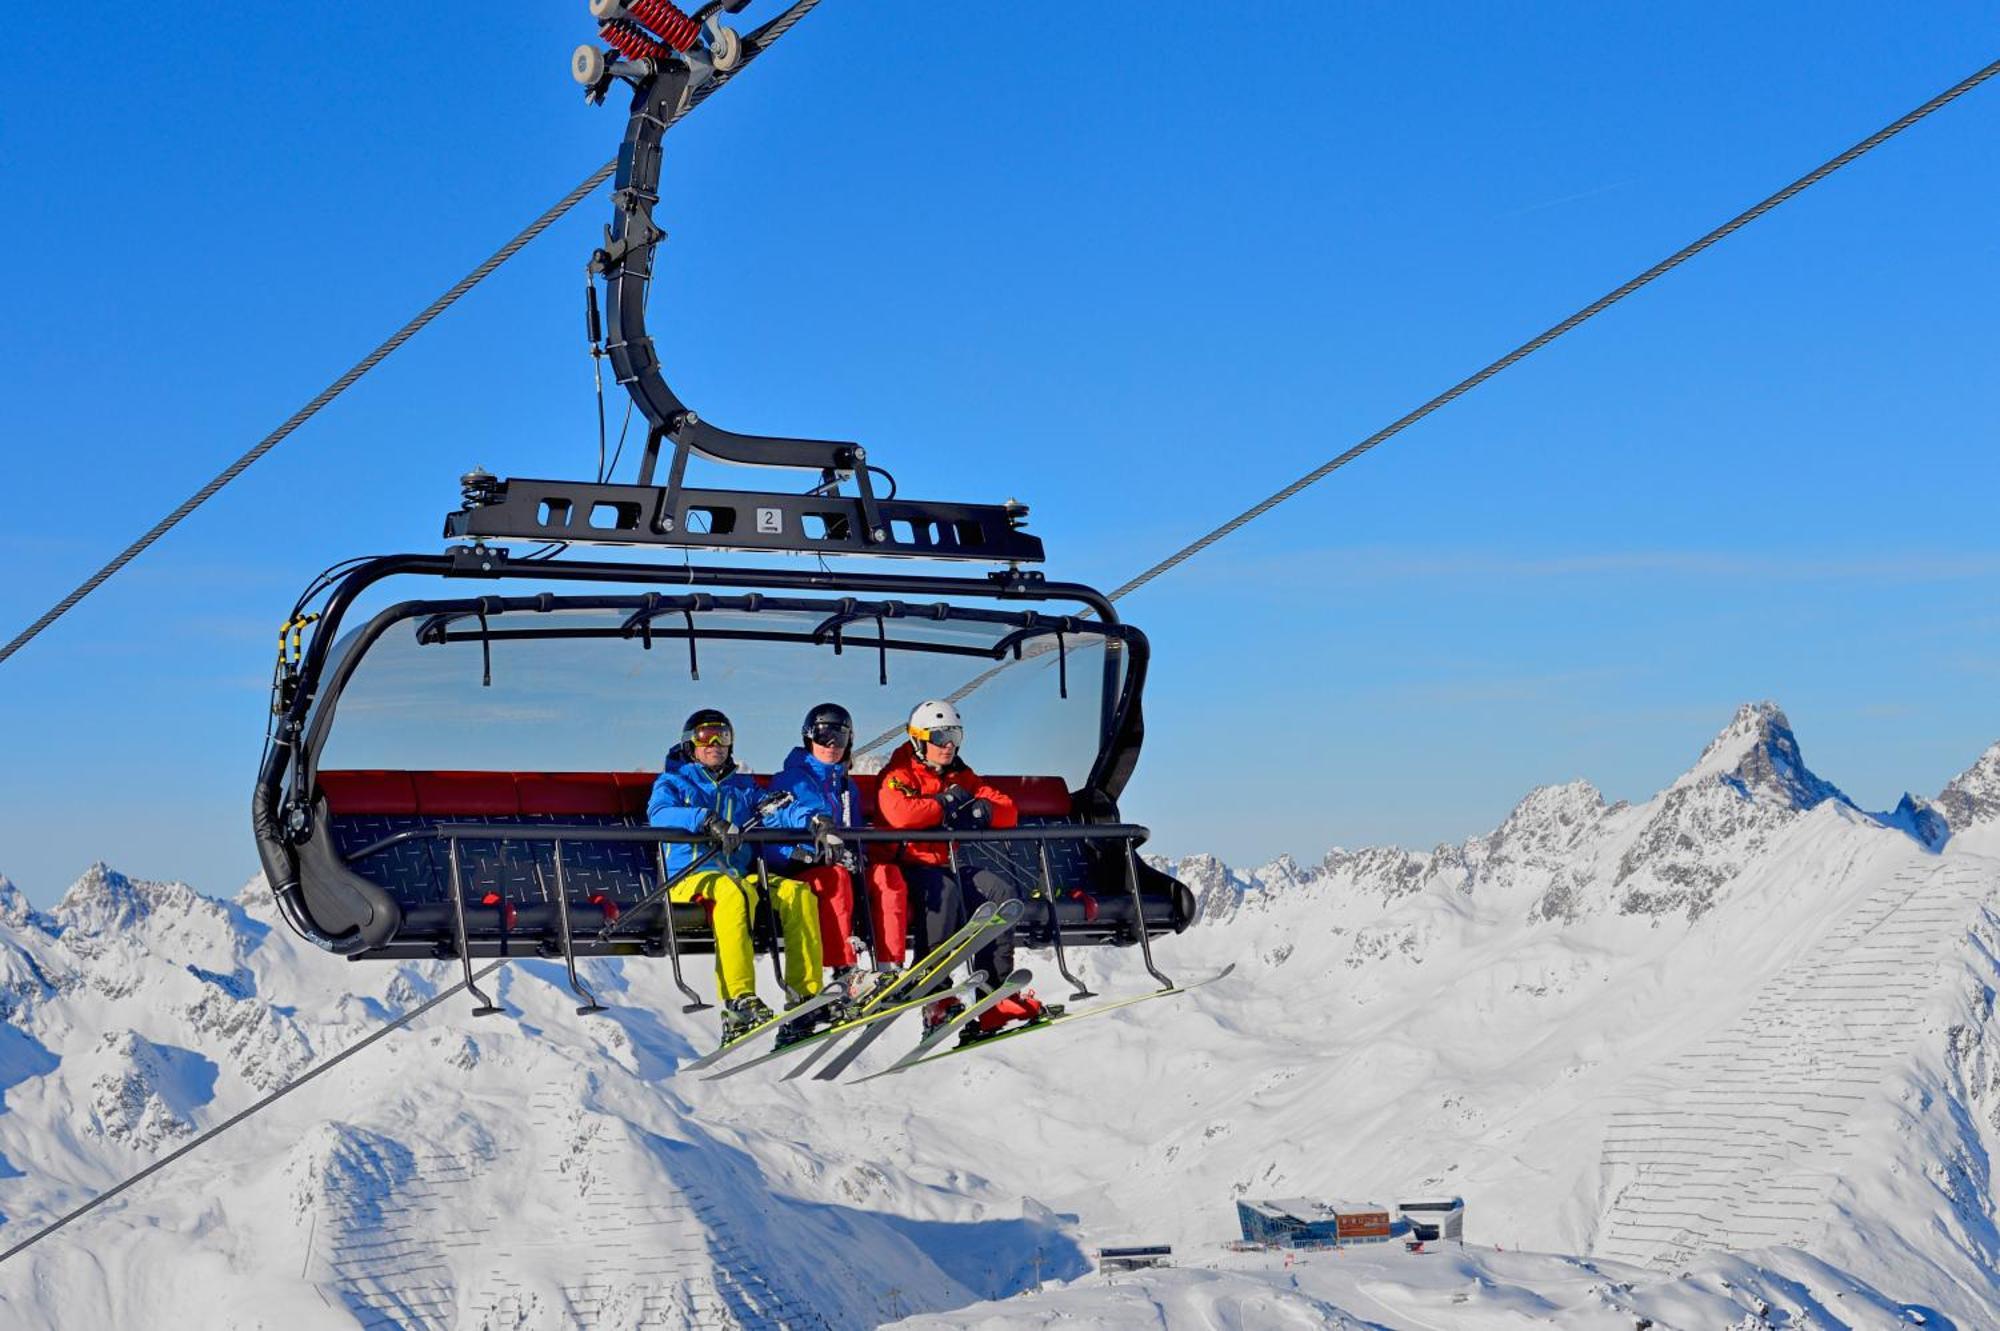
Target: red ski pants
{"x":887,"y":895}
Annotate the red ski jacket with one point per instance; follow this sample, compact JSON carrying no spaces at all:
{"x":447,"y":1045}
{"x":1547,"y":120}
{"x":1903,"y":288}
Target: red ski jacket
{"x":908,"y":798}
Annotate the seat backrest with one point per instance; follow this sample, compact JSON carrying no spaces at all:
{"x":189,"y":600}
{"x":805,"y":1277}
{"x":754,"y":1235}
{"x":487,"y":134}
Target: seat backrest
{"x":507,"y":796}
{"x":576,"y":793}
{"x":359,"y":793}
{"x":467,"y":795}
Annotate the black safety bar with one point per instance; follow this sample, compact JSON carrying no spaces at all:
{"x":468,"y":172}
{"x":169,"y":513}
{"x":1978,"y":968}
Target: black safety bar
{"x":1131,"y":834}
{"x":756,"y":836}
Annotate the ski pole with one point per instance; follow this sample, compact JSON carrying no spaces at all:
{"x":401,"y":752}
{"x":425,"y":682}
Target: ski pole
{"x":864,"y":889}
{"x":667,"y":885}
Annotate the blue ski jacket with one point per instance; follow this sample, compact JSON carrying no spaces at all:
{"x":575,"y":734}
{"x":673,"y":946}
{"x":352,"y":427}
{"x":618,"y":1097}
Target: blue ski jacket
{"x":818,"y":790}
{"x":685,"y":793}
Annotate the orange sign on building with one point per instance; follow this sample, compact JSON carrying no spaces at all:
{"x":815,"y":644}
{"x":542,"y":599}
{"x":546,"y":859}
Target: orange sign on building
{"x":1361,"y":1224}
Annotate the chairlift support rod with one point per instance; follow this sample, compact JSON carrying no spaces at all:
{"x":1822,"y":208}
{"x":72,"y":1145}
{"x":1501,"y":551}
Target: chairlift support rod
{"x":568,"y":941}
{"x":669,"y":935}
{"x":668,"y":58}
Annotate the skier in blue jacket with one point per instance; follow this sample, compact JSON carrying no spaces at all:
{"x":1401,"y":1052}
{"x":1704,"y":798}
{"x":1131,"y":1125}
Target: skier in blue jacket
{"x":701,"y":789}
{"x":825,"y":799}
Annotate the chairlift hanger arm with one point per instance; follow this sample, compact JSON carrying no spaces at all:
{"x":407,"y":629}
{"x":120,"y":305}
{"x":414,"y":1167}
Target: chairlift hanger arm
{"x":671,"y":59}
{"x":625,"y":262}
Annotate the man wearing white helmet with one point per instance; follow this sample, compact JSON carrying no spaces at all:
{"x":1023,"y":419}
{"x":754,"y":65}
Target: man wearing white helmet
{"x":927,"y":784}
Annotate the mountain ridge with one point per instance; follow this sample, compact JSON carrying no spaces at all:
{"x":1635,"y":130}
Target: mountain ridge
{"x":1468,"y":1019}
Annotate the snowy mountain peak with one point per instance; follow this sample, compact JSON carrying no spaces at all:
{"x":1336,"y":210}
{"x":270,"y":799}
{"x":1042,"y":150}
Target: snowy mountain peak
{"x":1552,"y":817}
{"x":1917,"y":816}
{"x":1758,"y":755}
{"x":105,"y":901}
{"x":1973,"y":796}
{"x":14,"y":908}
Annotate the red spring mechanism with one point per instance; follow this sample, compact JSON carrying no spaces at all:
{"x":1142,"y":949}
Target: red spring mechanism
{"x":508,"y":913}
{"x":631,"y":40}
{"x":605,"y":904}
{"x":1089,"y":904}
{"x":675,"y":28}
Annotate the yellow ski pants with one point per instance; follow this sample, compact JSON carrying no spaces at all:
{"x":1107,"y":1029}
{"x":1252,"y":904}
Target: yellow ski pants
{"x":735,"y":901}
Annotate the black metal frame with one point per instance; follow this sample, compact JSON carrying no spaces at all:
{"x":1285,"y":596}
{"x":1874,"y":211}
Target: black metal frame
{"x":822,"y":521}
{"x":338,"y":910}
{"x":438,"y":616}
{"x":292,"y":836}
{"x":666,"y":941}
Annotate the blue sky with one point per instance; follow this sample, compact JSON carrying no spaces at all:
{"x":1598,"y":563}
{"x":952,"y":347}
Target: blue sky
{"x":1138,"y":277}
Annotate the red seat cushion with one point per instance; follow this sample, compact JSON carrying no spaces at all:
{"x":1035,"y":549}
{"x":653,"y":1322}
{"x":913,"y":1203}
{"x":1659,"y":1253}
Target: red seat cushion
{"x":569,"y":793}
{"x":1034,"y":796}
{"x":635,"y":792}
{"x":467,"y":794}
{"x":362,"y":793}
{"x":868,"y":783}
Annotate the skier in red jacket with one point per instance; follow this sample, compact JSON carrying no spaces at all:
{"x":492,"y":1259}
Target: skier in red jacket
{"x":927,"y":784}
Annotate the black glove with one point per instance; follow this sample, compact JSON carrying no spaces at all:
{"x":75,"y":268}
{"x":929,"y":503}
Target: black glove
{"x":979,"y":814}
{"x":952,"y":799}
{"x":727,"y":834}
{"x":827,"y":844}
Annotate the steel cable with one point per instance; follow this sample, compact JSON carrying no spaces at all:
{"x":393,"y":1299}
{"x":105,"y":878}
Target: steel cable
{"x":1534,"y":344}
{"x":753,"y":46}
{"x":242,"y":1114}
{"x":1528,"y":348}
{"x":776,"y":29}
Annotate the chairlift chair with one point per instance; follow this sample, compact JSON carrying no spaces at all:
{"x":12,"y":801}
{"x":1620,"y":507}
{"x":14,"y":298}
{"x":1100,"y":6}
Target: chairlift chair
{"x":452,"y":854}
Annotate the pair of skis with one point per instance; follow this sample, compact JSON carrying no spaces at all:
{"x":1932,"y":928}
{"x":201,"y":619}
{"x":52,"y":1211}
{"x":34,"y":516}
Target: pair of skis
{"x":914,"y":988}
{"x":811,"y":1005}
{"x":927,"y":1052}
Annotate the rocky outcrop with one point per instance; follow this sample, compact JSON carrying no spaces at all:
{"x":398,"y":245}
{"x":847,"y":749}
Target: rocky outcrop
{"x":1972,"y":798}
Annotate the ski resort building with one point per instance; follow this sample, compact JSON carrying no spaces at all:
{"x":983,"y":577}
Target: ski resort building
{"x":1298,"y":1222}
{"x":1135,"y":1258}
{"x":1438,"y":1218}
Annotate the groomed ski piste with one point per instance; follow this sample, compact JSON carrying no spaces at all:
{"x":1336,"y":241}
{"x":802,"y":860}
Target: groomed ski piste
{"x":1724,"y":1058}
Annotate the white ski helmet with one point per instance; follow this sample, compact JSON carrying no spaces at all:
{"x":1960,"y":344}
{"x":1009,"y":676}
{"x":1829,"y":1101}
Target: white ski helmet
{"x":936,"y":720}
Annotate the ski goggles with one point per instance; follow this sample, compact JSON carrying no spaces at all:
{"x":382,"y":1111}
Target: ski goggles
{"x":832,"y":734}
{"x":945,"y":735}
{"x":710,"y":736}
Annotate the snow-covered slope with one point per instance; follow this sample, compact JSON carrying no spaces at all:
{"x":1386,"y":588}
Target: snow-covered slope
{"x":1742,"y":1014}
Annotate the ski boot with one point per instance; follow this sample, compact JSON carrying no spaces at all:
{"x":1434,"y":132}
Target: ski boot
{"x":854,"y":984}
{"x":798,"y":1028}
{"x":940,"y":1013}
{"x":743,"y":1014}
{"x":1022,"y":1009}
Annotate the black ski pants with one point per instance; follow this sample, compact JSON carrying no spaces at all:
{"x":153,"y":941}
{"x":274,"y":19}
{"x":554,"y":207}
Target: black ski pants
{"x":942,"y":900}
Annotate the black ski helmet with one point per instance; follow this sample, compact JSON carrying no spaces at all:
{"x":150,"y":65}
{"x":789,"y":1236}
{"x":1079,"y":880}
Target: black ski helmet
{"x":702,"y":717}
{"x":825,"y":719}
